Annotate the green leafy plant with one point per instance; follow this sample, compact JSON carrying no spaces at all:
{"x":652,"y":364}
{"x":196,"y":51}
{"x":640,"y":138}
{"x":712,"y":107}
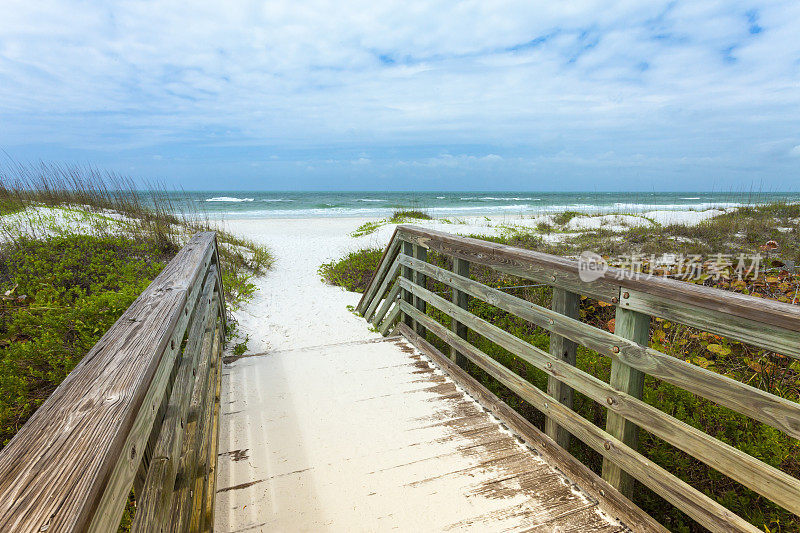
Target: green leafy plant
{"x":354,"y":271}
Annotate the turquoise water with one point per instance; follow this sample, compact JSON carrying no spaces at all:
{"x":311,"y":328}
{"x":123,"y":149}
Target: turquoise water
{"x":454,"y":204}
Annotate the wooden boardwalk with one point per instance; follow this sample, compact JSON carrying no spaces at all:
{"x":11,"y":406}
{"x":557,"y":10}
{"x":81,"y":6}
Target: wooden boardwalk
{"x":373,"y":436}
{"x":379,"y":434}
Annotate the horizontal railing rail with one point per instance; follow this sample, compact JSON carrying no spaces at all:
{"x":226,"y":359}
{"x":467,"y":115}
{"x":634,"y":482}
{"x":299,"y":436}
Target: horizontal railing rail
{"x":770,"y":325}
{"x":138,"y":412}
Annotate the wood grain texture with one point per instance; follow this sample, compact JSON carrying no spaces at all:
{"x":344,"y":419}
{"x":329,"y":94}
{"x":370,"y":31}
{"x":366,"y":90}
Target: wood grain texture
{"x":386,"y":260}
{"x":564,"y":303}
{"x":153,"y":504}
{"x":377,"y":318}
{"x":610,"y":500}
{"x":408,"y":250}
{"x":379,"y":295}
{"x":701,"y":508}
{"x":187,"y":488}
{"x":766,"y":336}
{"x":210,"y":486}
{"x":636,"y":327}
{"x":115,"y":496}
{"x":391,"y":318}
{"x":559,"y":271}
{"x":461,"y":299}
{"x":420,"y":254}
{"x":755,"y":403}
{"x":54,"y":472}
{"x":762,"y":478}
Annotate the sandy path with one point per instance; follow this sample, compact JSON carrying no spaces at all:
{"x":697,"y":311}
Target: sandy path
{"x":292,"y":307}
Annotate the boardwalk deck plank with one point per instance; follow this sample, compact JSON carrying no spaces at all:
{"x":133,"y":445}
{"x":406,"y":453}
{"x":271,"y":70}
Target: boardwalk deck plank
{"x":374,"y":436}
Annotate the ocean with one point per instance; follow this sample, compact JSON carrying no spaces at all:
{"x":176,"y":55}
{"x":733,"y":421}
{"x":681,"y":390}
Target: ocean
{"x":454,"y":204}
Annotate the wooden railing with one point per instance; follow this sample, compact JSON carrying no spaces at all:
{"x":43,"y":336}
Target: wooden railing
{"x":766,"y":324}
{"x":139,"y":412}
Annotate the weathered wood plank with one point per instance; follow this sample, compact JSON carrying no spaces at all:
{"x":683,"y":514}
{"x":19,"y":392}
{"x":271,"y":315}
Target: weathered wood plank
{"x":762,"y":478}
{"x":701,"y":508}
{"x":153,"y":504}
{"x":210,"y":486}
{"x":204,"y":457}
{"x":461,"y":299}
{"x":408,"y":249}
{"x":420,"y":254}
{"x":636,"y":327}
{"x":755,"y":403}
{"x":391,"y":319}
{"x":387,"y":302}
{"x":381,"y":292}
{"x":562,"y":272}
{"x":195,"y":442}
{"x":609,"y":499}
{"x":766,"y":336}
{"x":565,"y":303}
{"x":386,"y":260}
{"x":55,"y":471}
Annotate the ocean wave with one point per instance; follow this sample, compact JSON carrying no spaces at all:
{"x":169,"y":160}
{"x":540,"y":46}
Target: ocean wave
{"x":276,"y":200}
{"x":508,"y":199}
{"x":691,"y":198}
{"x":700,"y":206}
{"x":369,"y":200}
{"x":228,"y":199}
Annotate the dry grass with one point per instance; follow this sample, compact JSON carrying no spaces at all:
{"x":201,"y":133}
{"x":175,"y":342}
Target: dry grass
{"x":102,"y":202}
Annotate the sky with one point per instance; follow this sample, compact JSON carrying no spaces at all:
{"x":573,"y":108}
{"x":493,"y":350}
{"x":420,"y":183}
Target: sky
{"x":408,"y":95}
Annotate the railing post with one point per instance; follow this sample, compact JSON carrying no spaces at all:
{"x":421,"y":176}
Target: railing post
{"x":408,"y":249}
{"x":461,"y":299}
{"x":421,"y":254}
{"x":566,"y":303}
{"x":636,"y":327}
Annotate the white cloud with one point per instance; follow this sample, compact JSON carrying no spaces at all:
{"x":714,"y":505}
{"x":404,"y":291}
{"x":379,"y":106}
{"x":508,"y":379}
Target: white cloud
{"x":663,"y":79}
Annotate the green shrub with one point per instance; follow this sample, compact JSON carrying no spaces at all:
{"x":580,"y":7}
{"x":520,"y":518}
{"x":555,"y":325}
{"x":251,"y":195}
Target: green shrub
{"x":354,"y":271}
{"x":563,"y":218}
{"x":74,"y":289}
{"x":400,"y":215}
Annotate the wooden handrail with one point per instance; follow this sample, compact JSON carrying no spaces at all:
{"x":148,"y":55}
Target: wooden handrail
{"x":71,"y":467}
{"x":739,"y":316}
{"x":383,"y":266}
{"x":765,"y":323}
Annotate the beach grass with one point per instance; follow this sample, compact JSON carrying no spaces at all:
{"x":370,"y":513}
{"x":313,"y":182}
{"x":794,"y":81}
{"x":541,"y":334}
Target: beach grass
{"x":402,"y":215}
{"x":399,"y":216}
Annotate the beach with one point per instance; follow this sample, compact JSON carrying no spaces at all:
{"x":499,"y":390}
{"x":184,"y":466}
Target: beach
{"x":294,"y":308}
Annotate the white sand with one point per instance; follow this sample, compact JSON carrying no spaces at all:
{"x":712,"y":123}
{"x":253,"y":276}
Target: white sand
{"x":293,"y":308}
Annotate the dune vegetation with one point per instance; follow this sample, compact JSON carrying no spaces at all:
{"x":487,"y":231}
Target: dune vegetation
{"x":773,"y":232}
{"x":77,"y":246}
